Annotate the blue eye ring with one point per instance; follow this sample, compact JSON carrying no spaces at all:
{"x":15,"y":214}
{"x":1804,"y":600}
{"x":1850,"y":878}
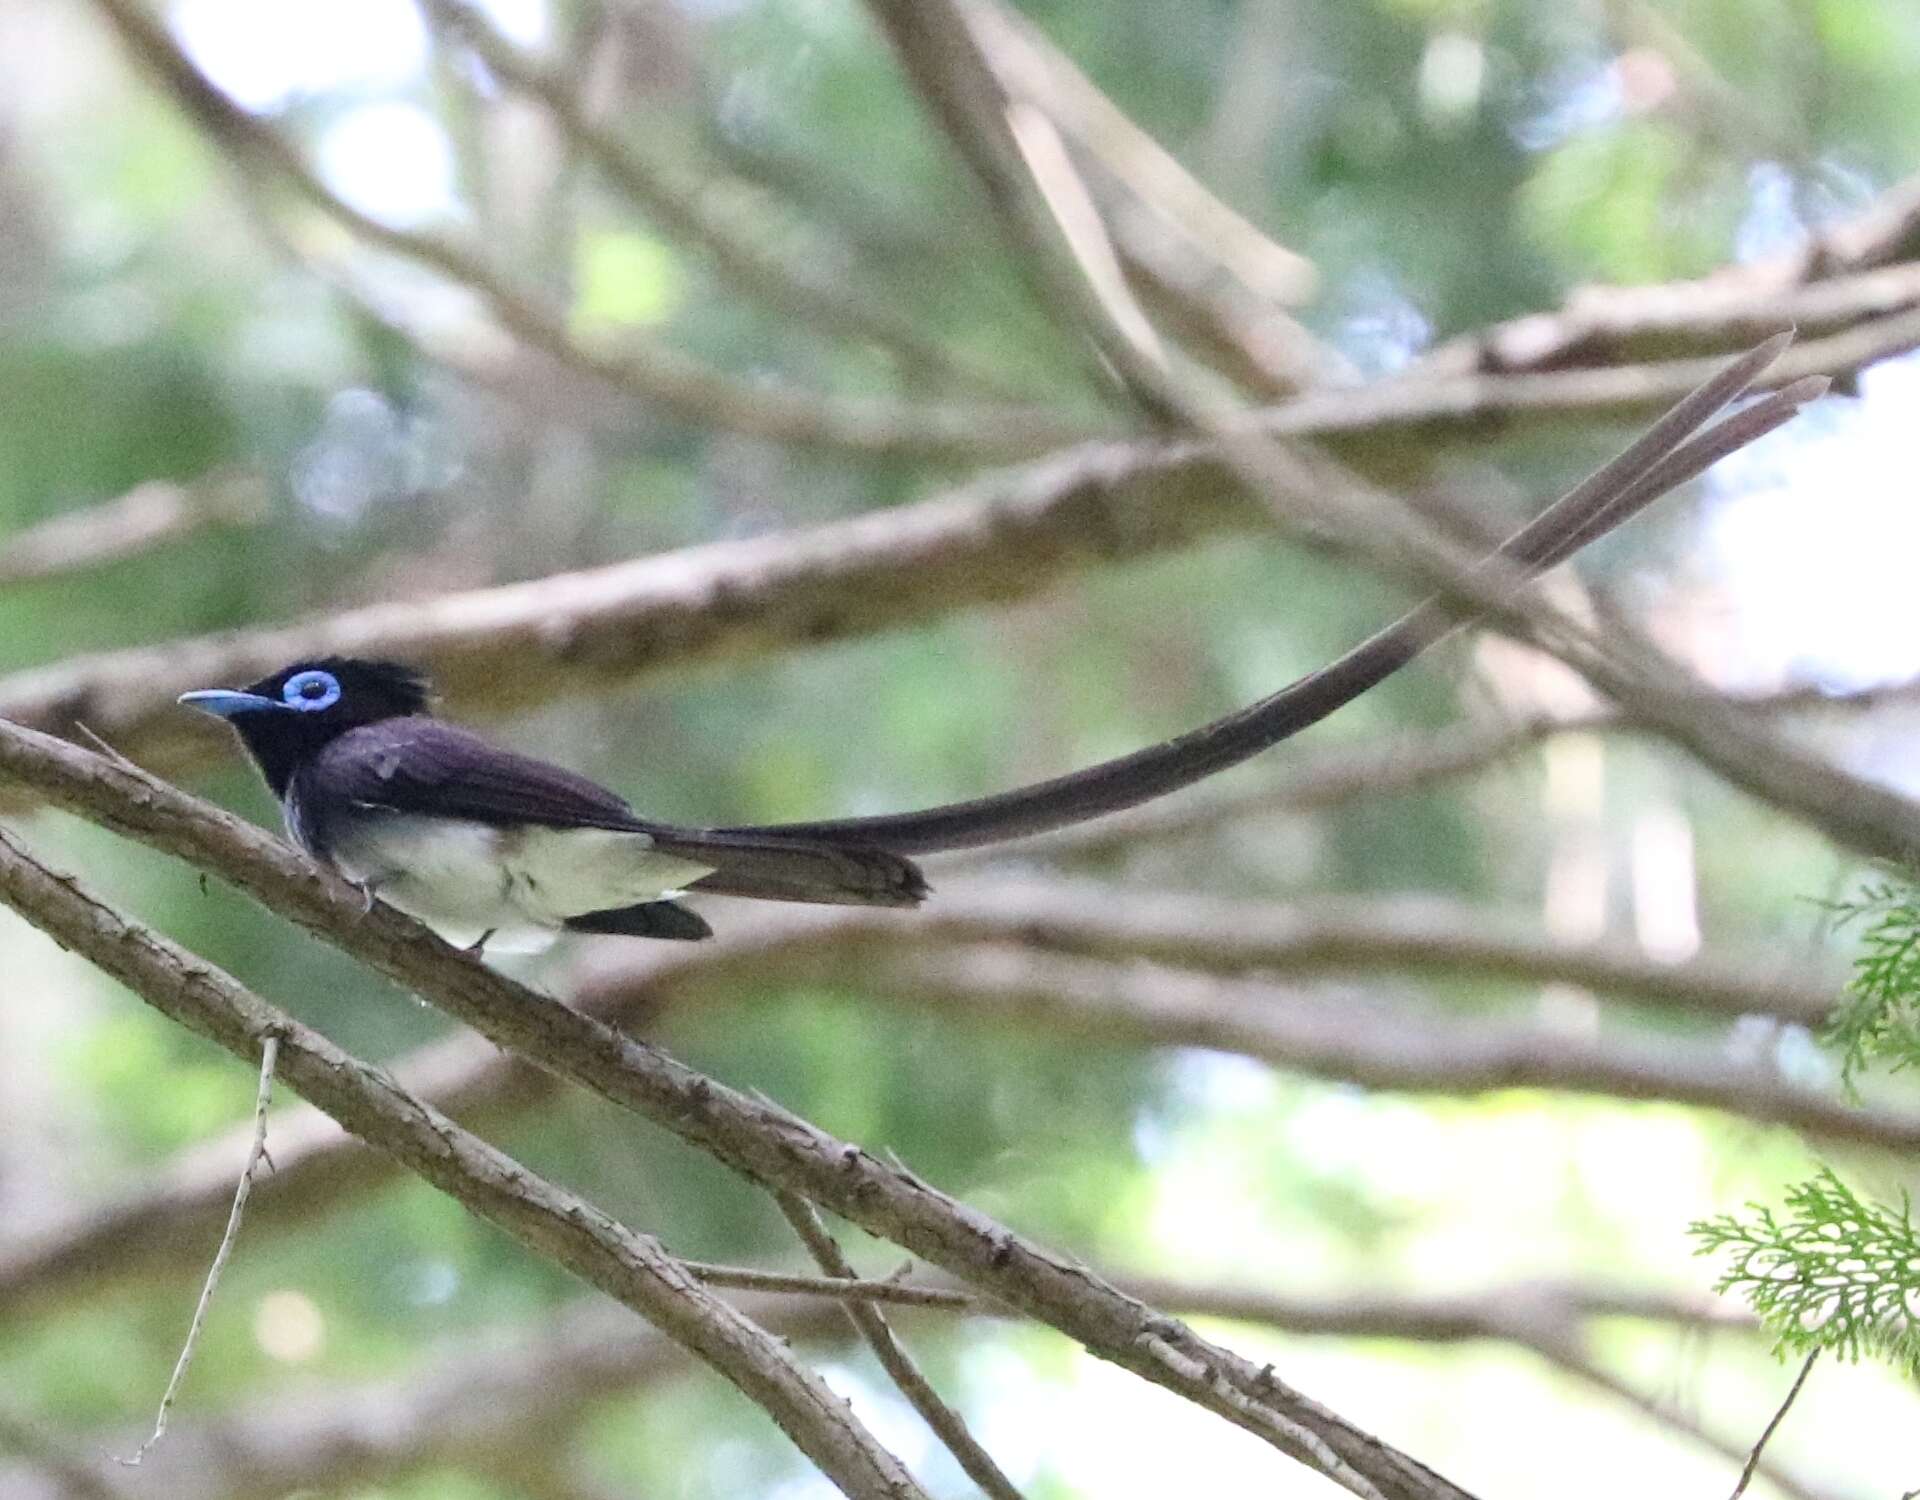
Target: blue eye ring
{"x":310,"y":691}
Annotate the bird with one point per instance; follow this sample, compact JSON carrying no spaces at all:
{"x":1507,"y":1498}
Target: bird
{"x":496,"y":851}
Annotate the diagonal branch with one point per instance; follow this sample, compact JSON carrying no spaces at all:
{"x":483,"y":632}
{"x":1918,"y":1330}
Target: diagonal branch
{"x":630,"y":1267}
{"x":872,"y":1326}
{"x":1086,"y":292}
{"x":1216,"y":277}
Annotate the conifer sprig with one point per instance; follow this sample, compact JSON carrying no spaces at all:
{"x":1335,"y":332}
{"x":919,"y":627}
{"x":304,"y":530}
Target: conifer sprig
{"x":1836,"y":1272}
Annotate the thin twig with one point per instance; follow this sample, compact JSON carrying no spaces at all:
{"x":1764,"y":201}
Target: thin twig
{"x":899,"y":1293}
{"x":269,"y":1057}
{"x":977,"y":1463}
{"x":1753,"y":1458}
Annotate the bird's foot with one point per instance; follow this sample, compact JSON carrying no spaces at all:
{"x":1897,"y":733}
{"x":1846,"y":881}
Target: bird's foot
{"x":477,"y":947}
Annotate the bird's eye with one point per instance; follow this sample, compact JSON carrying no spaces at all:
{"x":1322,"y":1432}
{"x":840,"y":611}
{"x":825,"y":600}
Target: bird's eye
{"x":308,"y":691}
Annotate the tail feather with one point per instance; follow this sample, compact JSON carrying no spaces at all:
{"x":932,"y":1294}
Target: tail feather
{"x":653,"y":919}
{"x":771,"y":868}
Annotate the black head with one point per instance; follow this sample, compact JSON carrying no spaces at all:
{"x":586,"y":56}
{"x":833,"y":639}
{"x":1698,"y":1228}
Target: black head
{"x":290,"y":714}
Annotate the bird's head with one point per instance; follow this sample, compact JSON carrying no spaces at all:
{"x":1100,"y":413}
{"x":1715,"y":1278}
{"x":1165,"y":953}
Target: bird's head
{"x":289,"y":714}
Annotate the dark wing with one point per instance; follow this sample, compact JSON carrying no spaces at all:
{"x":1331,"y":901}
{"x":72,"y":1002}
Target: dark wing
{"x":421,"y":765}
{"x":426,"y":767}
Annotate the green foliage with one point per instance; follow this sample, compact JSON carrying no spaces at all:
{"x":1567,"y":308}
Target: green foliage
{"x":1880,"y":1018}
{"x":1837,"y":1273}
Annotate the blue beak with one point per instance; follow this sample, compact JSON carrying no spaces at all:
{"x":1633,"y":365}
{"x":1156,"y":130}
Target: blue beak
{"x":223,"y":703}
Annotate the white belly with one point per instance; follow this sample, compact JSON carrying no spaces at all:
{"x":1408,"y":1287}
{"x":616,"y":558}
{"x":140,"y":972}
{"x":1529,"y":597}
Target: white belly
{"x":465,"y":880}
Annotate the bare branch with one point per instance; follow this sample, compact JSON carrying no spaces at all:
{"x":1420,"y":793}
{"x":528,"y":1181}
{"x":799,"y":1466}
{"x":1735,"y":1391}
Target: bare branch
{"x":627,"y":1266}
{"x":1376,"y":1046}
{"x":1845,"y":275}
{"x":1760,"y":1446}
{"x":1426,"y":936}
{"x":148,"y":516}
{"x":974,"y":1461}
{"x":523,"y":644}
{"x":1216,"y":277}
{"x":1073,"y":279}
{"x":520,"y":645}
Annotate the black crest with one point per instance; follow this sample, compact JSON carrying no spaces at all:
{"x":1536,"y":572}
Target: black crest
{"x":308,"y":704}
{"x":370,"y":689}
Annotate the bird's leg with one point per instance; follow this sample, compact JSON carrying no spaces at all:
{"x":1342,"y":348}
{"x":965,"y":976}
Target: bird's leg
{"x":478,"y":945}
{"x":369,"y":889}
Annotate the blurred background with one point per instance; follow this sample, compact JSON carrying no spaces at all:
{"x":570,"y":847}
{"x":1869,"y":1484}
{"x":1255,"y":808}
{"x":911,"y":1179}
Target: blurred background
{"x":250,"y":401}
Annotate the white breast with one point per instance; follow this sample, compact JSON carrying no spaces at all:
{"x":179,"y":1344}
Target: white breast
{"x":466,"y":879}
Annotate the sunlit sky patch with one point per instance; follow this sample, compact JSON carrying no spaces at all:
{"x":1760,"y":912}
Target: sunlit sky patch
{"x":392,"y":161}
{"x":1814,"y":534}
{"x":266,"y":53}
{"x":388,"y":158}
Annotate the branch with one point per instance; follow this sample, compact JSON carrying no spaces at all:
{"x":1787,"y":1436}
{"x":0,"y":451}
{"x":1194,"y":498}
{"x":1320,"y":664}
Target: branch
{"x":629,"y":1267}
{"x":1005,"y":537}
{"x":867,"y":1320}
{"x":755,"y":1137}
{"x":147,"y":517}
{"x":1424,"y":937}
{"x":158,"y":1230}
{"x":256,"y":1152}
{"x":691,"y":391}
{"x":528,"y":643}
{"x":1377,"y":1047}
{"x":1844,"y":275}
{"x":1217,"y":277}
{"x":1077,"y":283}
